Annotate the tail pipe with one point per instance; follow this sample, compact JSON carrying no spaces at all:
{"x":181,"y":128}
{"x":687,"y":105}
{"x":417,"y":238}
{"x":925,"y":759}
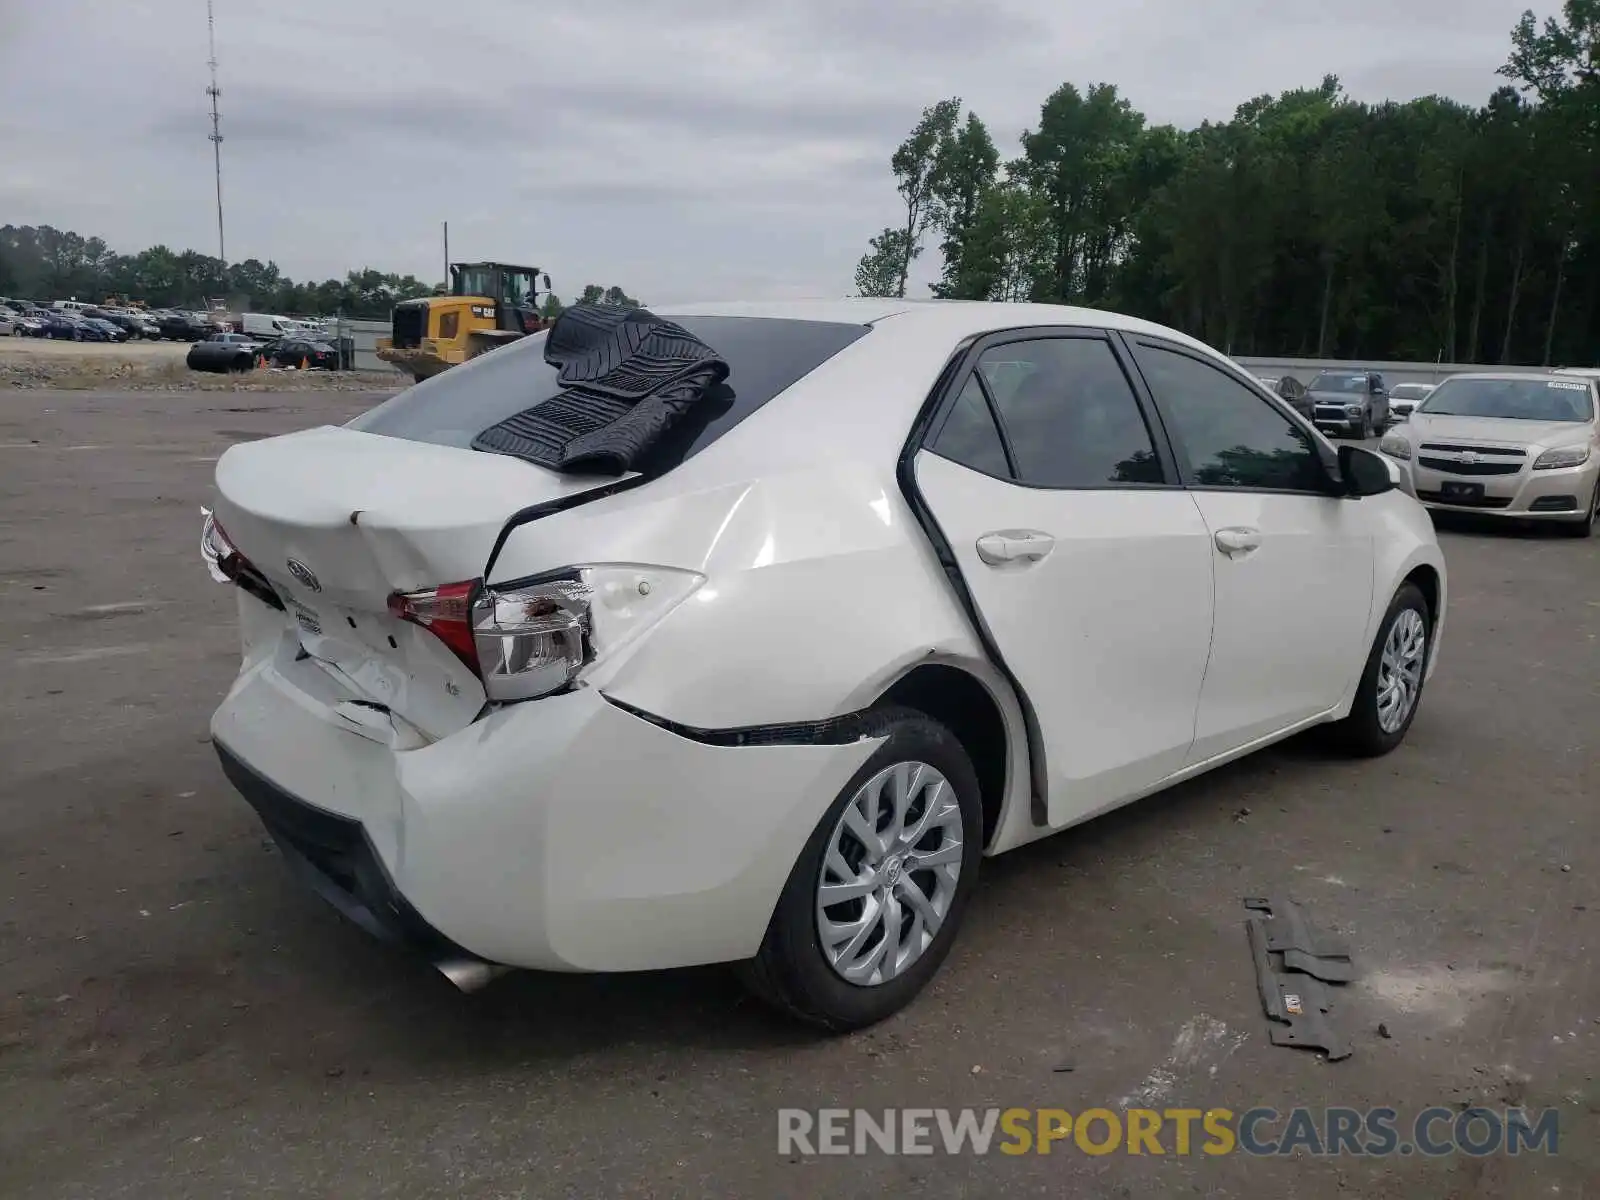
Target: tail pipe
{"x":470,"y":974}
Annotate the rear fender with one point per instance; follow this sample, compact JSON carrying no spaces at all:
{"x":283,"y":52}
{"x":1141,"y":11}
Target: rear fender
{"x":819,"y":592}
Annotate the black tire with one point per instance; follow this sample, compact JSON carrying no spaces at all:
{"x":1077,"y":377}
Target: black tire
{"x":1360,"y":735}
{"x":790,"y":970}
{"x":1585,"y":527}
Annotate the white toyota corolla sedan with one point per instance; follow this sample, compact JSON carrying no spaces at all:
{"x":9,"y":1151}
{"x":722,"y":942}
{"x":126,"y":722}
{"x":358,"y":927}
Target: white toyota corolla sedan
{"x":753,"y":661}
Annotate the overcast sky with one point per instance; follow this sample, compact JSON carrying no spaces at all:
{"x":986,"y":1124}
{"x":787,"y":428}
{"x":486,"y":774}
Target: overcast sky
{"x":680,"y":148}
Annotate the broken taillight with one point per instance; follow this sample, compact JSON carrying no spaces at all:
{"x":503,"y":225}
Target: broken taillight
{"x":532,"y":637}
{"x":227,"y":565}
{"x":444,"y":611}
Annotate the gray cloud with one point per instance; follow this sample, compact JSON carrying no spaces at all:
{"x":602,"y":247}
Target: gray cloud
{"x":697,"y":147}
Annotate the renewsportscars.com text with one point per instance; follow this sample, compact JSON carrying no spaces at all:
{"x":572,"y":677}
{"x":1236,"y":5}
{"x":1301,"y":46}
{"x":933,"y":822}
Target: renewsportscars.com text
{"x":1432,"y":1132}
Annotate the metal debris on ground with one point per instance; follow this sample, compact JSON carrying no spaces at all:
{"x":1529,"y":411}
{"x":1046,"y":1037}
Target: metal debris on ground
{"x":1293,"y":962}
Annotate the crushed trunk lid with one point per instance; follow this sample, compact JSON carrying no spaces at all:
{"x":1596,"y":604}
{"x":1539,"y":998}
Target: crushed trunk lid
{"x":338,"y":519}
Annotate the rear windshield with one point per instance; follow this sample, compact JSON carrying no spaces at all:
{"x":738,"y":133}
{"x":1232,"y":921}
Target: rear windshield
{"x":765,"y":355}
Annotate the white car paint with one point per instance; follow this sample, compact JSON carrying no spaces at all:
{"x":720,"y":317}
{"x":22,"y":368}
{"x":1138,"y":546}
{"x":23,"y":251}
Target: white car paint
{"x":1135,"y":642}
{"x":571,"y":833}
{"x":1292,"y":615}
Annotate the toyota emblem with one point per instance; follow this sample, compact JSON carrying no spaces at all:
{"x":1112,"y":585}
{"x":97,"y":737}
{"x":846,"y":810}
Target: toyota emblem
{"x":304,"y":574}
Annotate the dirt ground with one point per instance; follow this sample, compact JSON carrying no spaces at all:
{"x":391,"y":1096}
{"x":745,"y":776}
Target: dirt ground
{"x":157,"y":366}
{"x":180,"y":1018}
{"x":91,"y":352}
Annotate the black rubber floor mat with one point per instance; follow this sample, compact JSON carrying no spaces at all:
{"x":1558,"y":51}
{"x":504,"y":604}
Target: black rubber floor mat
{"x":629,"y":376}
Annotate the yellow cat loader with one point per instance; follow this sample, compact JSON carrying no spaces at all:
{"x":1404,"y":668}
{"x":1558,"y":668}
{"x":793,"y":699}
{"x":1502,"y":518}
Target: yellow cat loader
{"x":489,"y":305}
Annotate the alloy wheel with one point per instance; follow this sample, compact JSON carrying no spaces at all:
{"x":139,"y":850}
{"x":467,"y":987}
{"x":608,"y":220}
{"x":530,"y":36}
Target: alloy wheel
{"x":889,"y":874}
{"x":1400,"y":669}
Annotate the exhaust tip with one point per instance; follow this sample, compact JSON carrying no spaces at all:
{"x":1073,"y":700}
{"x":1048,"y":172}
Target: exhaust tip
{"x":470,"y":974}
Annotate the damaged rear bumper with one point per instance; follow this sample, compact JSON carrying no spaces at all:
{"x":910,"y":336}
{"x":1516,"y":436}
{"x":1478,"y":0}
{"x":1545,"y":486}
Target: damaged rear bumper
{"x":332,"y":855}
{"x":562,"y":834}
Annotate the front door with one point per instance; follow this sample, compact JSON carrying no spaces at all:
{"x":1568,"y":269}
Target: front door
{"x":1293,"y":560}
{"x":1089,"y":565}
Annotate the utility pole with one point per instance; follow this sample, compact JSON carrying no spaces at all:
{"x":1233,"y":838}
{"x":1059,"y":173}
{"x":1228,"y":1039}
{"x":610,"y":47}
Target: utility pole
{"x":216,"y":137}
{"x":447,"y":254}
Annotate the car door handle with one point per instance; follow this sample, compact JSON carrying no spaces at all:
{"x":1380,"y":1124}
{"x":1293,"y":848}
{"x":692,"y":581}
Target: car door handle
{"x":1014,"y":545}
{"x":1237,"y":540}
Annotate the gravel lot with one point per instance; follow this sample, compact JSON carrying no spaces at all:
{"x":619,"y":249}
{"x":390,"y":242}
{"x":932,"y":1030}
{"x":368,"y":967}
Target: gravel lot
{"x":27,"y":347}
{"x":179,"y":1018}
{"x":158,"y":366}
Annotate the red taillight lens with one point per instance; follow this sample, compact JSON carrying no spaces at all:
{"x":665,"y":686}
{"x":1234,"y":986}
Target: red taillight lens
{"x":445,"y":612}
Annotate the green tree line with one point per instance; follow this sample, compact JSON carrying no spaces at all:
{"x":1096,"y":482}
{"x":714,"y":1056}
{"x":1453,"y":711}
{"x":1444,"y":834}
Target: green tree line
{"x":1310,"y":224}
{"x":42,"y":263}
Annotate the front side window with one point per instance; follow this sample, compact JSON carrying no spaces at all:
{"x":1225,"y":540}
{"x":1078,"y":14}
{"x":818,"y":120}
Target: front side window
{"x":1069,"y":413}
{"x":519,"y":289}
{"x":1230,"y":436}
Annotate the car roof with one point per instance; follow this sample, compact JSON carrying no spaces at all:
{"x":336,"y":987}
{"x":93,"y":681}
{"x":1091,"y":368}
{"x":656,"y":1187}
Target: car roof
{"x":1544,"y":376}
{"x":955,"y":318}
{"x":867,"y":395}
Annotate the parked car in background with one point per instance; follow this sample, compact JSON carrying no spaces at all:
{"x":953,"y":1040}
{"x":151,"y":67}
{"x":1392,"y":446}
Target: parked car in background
{"x":98,"y":331}
{"x":266,"y":327}
{"x":1580,"y":372}
{"x":59,"y":326}
{"x":185,"y":327}
{"x":1349,"y":403}
{"x":1510,"y":445}
{"x":303,"y":352}
{"x":1291,"y":391}
{"x":495,"y":695}
{"x":129,"y":323}
{"x":231,"y":338}
{"x":10,"y":323}
{"x":220,"y":353}
{"x":35,"y":320}
{"x":113,"y":332}
{"x":1404,"y":397}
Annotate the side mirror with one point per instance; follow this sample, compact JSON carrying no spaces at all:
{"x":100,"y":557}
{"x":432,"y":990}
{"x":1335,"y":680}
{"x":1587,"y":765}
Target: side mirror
{"x":547,"y":283}
{"x":1365,"y":473}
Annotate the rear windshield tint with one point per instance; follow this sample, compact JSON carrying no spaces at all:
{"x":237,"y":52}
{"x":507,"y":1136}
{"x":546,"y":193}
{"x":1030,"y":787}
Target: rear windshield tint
{"x":765,"y":355}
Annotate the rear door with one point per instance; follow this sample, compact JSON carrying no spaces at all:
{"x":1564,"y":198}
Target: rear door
{"x":1088,"y":565}
{"x":1294,"y":562}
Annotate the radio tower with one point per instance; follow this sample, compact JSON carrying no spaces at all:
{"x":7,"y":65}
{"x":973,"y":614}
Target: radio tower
{"x":216,"y":135}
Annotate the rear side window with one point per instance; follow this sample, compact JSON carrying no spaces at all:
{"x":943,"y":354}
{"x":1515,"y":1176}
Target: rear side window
{"x":765,"y":356}
{"x":1069,"y":413}
{"x":969,"y":436}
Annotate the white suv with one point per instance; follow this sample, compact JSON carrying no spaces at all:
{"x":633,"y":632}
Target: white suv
{"x":886,"y":587}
